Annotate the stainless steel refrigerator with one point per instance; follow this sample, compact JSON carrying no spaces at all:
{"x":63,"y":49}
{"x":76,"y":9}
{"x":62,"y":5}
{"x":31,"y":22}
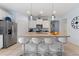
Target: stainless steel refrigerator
{"x":9,"y":31}
{"x":54,"y":26}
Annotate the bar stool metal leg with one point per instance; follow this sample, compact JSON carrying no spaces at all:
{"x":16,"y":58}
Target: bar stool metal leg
{"x":24,"y":48}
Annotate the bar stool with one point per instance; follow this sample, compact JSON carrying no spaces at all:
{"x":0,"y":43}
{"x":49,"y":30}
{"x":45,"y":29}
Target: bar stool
{"x":23,"y":41}
{"x":48,"y":42}
{"x":36,"y":41}
{"x":63,"y":41}
{"x":31,"y":49}
{"x":42,"y":49}
{"x":54,"y":48}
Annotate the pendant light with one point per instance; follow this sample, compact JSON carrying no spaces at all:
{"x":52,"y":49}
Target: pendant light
{"x":53,"y":17}
{"x":41,"y":13}
{"x":53,"y":12}
{"x":28,"y":12}
{"x":31,"y":17}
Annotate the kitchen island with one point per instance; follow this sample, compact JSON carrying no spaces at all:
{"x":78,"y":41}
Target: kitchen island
{"x":43,"y":35}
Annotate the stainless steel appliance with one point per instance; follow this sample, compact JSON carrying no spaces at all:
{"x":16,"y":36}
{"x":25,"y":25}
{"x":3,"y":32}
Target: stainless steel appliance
{"x":39,"y":27}
{"x":55,"y":27}
{"x":9,"y":31}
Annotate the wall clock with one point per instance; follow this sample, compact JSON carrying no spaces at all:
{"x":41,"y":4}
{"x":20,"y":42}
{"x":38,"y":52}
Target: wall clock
{"x":75,"y":22}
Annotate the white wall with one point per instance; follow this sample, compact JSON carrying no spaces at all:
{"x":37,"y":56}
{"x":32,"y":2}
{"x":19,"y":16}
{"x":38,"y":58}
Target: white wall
{"x":74,"y":33}
{"x":3,"y":14}
{"x":20,"y":19}
{"x":63,"y":26}
{"x":22,"y":23}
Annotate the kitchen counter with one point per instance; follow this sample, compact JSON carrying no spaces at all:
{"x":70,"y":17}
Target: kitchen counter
{"x":43,"y":34}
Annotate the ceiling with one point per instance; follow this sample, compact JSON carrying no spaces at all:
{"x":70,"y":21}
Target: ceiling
{"x":35,"y":8}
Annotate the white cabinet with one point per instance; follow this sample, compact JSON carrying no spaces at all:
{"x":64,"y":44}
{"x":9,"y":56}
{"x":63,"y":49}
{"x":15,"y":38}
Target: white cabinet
{"x":45,"y":24}
{"x":39,"y":21}
{"x":1,"y":41}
